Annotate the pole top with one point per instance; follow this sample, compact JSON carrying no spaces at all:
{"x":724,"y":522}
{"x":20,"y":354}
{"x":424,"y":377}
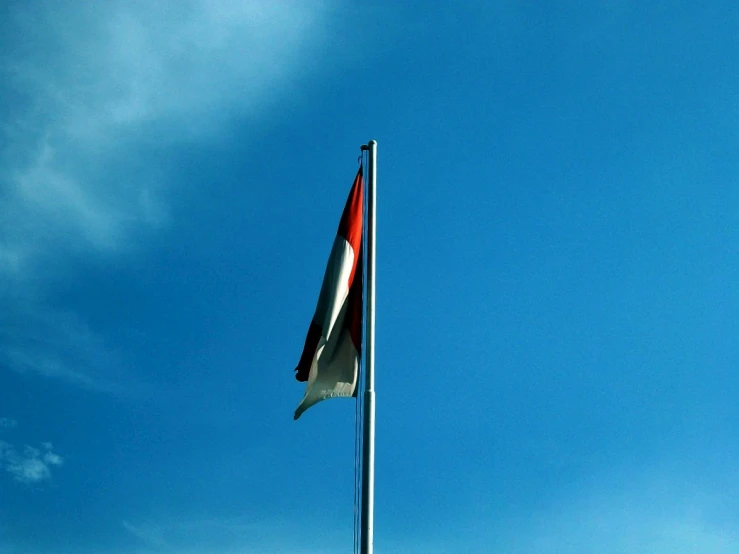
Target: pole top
{"x":369,"y":145}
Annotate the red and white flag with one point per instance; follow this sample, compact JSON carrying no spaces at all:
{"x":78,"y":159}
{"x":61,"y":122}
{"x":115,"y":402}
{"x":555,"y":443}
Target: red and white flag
{"x":330,"y":359}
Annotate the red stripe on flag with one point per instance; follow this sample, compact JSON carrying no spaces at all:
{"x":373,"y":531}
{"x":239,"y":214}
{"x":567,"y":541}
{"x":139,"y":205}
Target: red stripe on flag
{"x":350,"y":226}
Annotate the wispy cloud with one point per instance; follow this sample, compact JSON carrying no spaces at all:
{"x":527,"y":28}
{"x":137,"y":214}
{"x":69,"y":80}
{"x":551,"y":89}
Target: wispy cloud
{"x":659,"y":513}
{"x":232,"y":536}
{"x":105,"y":85}
{"x":36,"y":338}
{"x":96,"y":98}
{"x":29,"y":465}
{"x":7,"y":423}
{"x":150,"y":537}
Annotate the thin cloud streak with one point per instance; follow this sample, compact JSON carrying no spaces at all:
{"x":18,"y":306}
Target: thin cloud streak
{"x":44,"y":341}
{"x":230,"y":536}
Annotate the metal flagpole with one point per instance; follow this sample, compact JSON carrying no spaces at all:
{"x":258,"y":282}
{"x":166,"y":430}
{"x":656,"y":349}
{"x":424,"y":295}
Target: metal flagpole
{"x":368,"y":438}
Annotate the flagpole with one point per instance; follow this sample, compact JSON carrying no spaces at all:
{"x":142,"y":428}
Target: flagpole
{"x":368,"y":439}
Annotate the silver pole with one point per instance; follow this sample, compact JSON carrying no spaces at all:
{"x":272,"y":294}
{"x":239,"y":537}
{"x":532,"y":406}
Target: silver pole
{"x":368,"y":440}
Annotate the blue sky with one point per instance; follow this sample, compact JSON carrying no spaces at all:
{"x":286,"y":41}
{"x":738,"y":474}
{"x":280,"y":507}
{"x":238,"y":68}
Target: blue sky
{"x":557,"y":312}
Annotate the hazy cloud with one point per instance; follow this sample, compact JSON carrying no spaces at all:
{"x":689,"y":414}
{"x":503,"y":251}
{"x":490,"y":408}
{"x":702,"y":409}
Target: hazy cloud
{"x":659,"y":513}
{"x":94,"y":98}
{"x":7,"y":423}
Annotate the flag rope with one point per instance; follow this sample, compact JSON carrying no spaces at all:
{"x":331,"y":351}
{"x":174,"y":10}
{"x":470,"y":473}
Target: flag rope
{"x":358,"y":420}
{"x":357,"y":471}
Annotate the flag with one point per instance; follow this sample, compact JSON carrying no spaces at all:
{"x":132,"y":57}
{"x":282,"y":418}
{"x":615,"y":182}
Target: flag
{"x":330,"y":359}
